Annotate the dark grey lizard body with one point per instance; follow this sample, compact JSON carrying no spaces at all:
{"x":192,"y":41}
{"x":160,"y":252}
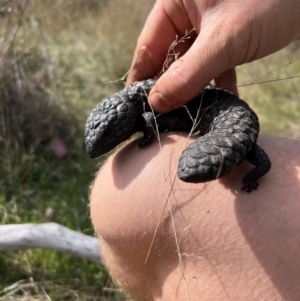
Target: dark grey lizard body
{"x":227,"y":125}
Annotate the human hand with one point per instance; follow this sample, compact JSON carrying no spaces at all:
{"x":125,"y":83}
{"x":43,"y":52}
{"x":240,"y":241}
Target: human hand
{"x":227,"y":33}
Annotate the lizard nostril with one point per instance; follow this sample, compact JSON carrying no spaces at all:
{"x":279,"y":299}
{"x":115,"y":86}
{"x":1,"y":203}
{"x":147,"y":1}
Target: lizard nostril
{"x":94,"y":154}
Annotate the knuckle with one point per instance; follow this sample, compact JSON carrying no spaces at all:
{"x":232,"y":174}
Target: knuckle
{"x":182,"y":87}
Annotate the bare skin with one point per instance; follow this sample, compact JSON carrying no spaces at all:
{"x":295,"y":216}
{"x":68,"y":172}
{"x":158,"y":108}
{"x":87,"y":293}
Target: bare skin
{"x":233,"y":245}
{"x":227,"y":33}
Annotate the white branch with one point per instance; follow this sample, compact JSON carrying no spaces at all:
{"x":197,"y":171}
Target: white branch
{"x":49,"y":236}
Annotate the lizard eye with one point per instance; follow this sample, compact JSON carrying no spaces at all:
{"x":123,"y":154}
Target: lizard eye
{"x":107,"y":134}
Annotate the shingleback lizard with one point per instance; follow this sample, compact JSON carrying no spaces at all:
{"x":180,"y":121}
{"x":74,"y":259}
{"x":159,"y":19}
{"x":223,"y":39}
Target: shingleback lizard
{"x":227,"y":126}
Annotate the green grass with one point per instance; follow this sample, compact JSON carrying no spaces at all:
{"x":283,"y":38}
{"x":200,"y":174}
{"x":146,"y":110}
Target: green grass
{"x":53,"y":75}
{"x":276,"y":102}
{"x":64,"y":52}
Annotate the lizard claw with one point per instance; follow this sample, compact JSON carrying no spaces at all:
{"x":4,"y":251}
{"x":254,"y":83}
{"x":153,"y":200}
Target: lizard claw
{"x":144,"y":142}
{"x":249,"y":185}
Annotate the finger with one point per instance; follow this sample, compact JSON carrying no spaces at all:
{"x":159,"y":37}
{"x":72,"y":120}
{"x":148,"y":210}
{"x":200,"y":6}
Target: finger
{"x":143,"y":66}
{"x":228,"y":81}
{"x":187,"y":76}
{"x":152,"y":47}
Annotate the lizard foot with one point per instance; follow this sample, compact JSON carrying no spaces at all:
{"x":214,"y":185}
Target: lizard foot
{"x":249,"y":184}
{"x":144,"y":141}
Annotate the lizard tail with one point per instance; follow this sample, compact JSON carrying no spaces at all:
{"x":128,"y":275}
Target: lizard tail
{"x":212,"y":156}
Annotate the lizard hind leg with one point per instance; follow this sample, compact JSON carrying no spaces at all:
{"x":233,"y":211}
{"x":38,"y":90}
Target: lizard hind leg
{"x":262,"y":163}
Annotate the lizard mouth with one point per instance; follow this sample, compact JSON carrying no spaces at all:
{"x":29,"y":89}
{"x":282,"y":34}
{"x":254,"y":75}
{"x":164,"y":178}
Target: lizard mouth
{"x":103,"y":146}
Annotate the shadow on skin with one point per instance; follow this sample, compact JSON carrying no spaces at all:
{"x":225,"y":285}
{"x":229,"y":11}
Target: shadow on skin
{"x":269,"y":216}
{"x":271,"y":225}
{"x":123,"y":161}
{"x":130,"y":233}
{"x":221,"y":229}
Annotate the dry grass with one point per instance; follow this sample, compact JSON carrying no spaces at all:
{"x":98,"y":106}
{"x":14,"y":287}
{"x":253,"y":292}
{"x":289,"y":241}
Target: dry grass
{"x":54,"y":58}
{"x":277,"y":102}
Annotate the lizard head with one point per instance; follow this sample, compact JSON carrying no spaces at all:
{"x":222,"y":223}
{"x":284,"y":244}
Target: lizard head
{"x":110,"y":123}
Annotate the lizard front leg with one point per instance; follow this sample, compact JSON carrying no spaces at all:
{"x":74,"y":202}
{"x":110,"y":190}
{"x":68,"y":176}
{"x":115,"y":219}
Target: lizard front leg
{"x":148,"y":126}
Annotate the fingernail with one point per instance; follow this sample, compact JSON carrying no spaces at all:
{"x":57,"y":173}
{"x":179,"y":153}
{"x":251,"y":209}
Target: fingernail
{"x":160,"y":103}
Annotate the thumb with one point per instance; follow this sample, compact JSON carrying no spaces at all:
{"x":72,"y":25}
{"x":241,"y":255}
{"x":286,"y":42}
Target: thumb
{"x":188,"y":75}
